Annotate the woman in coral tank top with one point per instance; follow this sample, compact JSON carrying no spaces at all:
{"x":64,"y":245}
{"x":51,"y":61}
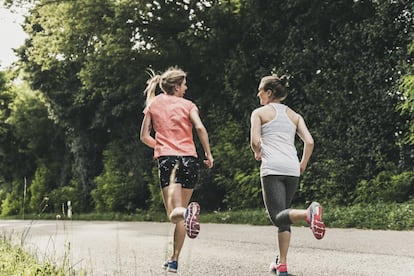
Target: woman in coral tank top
{"x":172,"y":118}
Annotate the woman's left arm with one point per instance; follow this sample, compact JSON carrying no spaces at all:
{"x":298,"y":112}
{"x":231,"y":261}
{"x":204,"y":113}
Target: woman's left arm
{"x":203,"y":136}
{"x":145,"y":134}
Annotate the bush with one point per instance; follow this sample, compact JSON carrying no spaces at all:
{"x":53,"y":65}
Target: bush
{"x":12,"y":204}
{"x":328,"y":181}
{"x":59,"y":198}
{"x":386,"y":187}
{"x":120,"y":187}
{"x":40,"y":187}
{"x":390,"y":216}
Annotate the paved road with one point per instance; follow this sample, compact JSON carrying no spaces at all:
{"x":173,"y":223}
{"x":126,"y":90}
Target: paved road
{"x":139,"y":248}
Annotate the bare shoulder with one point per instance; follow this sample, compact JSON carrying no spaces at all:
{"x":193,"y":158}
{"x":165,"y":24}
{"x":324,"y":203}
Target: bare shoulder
{"x":293,"y":115}
{"x":258,"y":111}
{"x":265,"y":113}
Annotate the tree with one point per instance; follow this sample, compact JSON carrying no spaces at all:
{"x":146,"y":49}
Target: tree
{"x":407,"y":105}
{"x":63,"y":58}
{"x":345,"y":60}
{"x":88,"y":60}
{"x":31,"y":140}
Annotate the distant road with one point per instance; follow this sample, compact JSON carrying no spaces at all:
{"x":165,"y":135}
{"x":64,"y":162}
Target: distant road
{"x":139,"y":248}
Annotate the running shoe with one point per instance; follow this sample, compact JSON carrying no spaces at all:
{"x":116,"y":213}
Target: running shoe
{"x":192,"y":226}
{"x":278,"y":268}
{"x":314,"y":218}
{"x":170,"y":266}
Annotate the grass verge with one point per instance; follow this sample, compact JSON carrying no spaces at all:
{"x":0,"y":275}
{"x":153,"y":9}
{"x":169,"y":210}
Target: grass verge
{"x":15,"y":261}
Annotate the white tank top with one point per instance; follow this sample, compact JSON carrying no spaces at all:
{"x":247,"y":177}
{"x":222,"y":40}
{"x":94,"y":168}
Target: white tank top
{"x":279,"y":155}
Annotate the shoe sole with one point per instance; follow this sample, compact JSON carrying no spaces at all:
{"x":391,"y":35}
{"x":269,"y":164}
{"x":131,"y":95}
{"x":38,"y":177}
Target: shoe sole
{"x":192,"y":226}
{"x":272,"y":268}
{"x":317,"y":226}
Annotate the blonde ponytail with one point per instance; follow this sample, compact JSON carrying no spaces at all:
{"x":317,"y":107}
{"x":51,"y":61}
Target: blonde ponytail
{"x":167,"y":82}
{"x":152,"y":83}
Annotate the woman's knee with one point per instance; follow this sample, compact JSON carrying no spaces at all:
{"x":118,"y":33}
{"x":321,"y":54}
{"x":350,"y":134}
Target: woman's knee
{"x":282,"y":220}
{"x":177,"y":215}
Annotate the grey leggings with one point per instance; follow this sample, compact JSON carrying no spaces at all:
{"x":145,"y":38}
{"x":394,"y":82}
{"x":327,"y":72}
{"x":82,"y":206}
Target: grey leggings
{"x":278,"y":192}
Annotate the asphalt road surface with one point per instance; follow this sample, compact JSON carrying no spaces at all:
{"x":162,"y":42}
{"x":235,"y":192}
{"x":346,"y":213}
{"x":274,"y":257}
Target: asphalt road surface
{"x":140,"y":248}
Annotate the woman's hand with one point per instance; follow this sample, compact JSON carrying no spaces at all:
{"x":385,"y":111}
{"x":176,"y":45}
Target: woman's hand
{"x":209,"y":161}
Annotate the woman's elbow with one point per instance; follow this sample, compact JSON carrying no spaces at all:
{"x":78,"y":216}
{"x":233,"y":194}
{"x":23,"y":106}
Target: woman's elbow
{"x":255,"y":144}
{"x":143,"y":138}
{"x":310,"y":143}
{"x":200,"y":129}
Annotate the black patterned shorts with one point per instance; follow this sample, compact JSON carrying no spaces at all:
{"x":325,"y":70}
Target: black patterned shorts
{"x":179,"y":169}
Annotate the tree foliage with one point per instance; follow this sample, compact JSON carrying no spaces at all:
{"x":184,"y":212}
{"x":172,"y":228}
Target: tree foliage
{"x":407,"y":87}
{"x":87,"y":60}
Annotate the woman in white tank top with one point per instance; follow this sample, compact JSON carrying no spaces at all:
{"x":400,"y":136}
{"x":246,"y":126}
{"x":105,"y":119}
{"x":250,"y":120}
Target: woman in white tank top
{"x":272,"y":138}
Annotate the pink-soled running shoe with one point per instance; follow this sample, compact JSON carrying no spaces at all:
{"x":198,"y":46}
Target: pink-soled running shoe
{"x":314,"y":218}
{"x":192,"y":226}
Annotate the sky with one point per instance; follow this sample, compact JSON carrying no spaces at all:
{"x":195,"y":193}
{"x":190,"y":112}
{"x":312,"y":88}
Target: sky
{"x":11,"y":35}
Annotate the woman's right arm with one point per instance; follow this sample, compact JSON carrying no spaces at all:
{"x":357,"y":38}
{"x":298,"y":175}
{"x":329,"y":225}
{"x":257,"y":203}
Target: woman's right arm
{"x":255,"y":135}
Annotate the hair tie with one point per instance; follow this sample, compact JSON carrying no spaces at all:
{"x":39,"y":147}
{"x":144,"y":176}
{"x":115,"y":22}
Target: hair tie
{"x":284,"y":80}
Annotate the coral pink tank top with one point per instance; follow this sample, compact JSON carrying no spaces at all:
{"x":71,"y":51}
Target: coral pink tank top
{"x":170,"y":117}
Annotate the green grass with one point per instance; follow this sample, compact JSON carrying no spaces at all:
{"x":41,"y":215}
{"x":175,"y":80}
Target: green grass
{"x":384,"y":216}
{"x":15,"y":261}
